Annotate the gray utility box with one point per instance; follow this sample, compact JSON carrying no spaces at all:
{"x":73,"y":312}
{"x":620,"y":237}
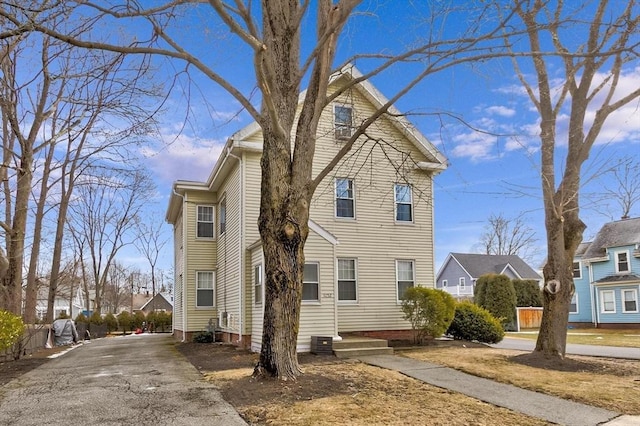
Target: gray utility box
{"x":321,"y":345}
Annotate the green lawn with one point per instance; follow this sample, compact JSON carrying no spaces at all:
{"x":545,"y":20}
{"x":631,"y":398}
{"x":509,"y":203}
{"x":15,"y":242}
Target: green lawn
{"x":623,"y":338}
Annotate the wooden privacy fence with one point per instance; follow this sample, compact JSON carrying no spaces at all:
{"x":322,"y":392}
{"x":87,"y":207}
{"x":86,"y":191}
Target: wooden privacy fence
{"x":529,"y":317}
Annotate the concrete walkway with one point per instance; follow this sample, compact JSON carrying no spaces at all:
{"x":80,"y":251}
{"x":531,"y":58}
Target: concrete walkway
{"x":523,"y":344}
{"x":132,"y":380}
{"x":534,"y":404}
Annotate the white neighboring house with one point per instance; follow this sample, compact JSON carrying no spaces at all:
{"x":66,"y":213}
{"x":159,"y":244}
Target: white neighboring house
{"x":63,"y":303}
{"x":371,"y":230}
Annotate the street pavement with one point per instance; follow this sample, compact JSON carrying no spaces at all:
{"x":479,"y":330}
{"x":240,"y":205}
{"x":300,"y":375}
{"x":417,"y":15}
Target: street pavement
{"x":528,"y":345}
{"x":139,"y":379}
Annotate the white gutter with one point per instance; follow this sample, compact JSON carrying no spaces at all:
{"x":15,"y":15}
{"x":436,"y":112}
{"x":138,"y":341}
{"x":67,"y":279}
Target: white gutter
{"x":242,"y":236}
{"x":184,"y":266}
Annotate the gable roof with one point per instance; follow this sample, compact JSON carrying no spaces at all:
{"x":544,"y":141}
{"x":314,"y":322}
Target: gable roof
{"x":614,"y":234}
{"x":480,"y":264}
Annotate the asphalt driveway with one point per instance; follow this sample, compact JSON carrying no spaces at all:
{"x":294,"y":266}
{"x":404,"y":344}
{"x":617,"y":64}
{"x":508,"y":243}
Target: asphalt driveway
{"x":141,"y":380}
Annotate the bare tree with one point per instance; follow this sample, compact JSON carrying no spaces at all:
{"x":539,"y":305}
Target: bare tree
{"x":625,"y":190}
{"x":584,"y":87}
{"x":105,"y":209}
{"x":273,"y":37}
{"x":150,"y":243}
{"x":117,"y":291}
{"x":506,"y":236}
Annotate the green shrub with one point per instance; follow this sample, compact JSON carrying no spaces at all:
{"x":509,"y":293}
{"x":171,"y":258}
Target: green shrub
{"x":11,"y":328}
{"x":499,"y":298}
{"x":479,"y":290}
{"x":203,"y":337}
{"x":471,"y":322}
{"x":63,"y":315}
{"x":111,"y":321}
{"x":138,"y":319}
{"x":125,"y":321}
{"x":162,"y":321}
{"x":81,"y":319}
{"x":528,"y":293}
{"x":95,"y":318}
{"x":430,"y":311}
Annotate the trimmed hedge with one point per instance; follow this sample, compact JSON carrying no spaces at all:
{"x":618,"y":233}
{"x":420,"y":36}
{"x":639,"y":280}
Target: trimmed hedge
{"x":499,"y":298}
{"x":528,"y":293}
{"x":430,"y":311}
{"x":471,"y":322}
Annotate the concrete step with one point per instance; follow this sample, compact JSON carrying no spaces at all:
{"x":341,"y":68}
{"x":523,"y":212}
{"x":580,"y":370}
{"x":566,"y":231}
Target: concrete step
{"x":359,"y":342}
{"x":357,"y":352}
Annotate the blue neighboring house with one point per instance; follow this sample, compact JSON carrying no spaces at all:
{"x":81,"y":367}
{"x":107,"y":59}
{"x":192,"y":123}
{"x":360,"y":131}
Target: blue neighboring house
{"x":606,"y":274}
{"x":460,"y":271}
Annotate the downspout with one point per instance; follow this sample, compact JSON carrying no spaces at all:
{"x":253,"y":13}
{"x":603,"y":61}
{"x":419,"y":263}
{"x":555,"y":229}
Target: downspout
{"x":241,"y":245}
{"x":595,"y":313}
{"x":336,"y":337}
{"x":184,"y":267}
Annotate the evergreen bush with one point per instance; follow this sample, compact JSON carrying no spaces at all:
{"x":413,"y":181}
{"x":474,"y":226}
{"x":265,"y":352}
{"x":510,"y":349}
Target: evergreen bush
{"x":528,"y":293}
{"x":95,"y":318}
{"x":111,"y":322}
{"x":125,"y":321}
{"x":82,"y":319}
{"x":203,"y":337}
{"x":471,"y":322}
{"x":430,"y":311}
{"x":138,"y":319}
{"x":499,"y":298}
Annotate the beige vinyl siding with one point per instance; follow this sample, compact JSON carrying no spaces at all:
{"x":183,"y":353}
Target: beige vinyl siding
{"x":229,"y":276}
{"x":257,"y":312}
{"x":178,"y":272}
{"x":318,"y":318}
{"x":201,"y":254}
{"x":373,"y":237}
{"x":252,"y":196}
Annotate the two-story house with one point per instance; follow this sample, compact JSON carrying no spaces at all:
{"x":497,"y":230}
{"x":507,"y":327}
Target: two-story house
{"x":460,"y":271}
{"x":607,"y":278}
{"x":371,"y":230}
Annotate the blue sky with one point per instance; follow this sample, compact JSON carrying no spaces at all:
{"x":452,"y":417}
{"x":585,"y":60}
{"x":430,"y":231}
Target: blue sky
{"x":487,"y":174}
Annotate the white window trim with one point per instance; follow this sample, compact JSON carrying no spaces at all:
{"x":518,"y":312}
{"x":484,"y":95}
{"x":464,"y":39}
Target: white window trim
{"x":313,"y":301}
{"x":213,"y":289}
{"x":615,"y":256}
{"x":342,"y":137}
{"x":213,"y":216}
{"x":395,"y":205}
{"x":602,"y":292}
{"x":445,"y":283}
{"x":413,"y":271}
{"x":355,"y":266}
{"x":577,"y":311}
{"x":462,"y":283}
{"x":579,"y":277}
{"x":223,"y":202}
{"x":635,"y":295}
{"x":335,"y":198}
{"x":260,"y":282}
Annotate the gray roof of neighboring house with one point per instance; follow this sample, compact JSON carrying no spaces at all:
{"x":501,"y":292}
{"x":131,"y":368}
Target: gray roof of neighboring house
{"x":614,"y":234}
{"x":480,"y":264}
{"x":582,"y":249}
{"x":612,"y":279}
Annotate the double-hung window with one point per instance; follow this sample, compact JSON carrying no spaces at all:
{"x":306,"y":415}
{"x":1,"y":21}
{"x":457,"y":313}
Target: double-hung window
{"x":630,"y":301}
{"x":577,"y":270}
{"x":607,"y":302}
{"x":622,"y":261}
{"x":257,"y":284}
{"x":310,"y":282}
{"x":204,"y":222}
{"x":462,"y":283}
{"x":204,"y":289}
{"x":573,"y":306}
{"x":347,"y":287}
{"x":445,"y":283}
{"x":404,"y":203}
{"x":345,"y":206}
{"x":405,"y":276}
{"x":343,"y":121}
